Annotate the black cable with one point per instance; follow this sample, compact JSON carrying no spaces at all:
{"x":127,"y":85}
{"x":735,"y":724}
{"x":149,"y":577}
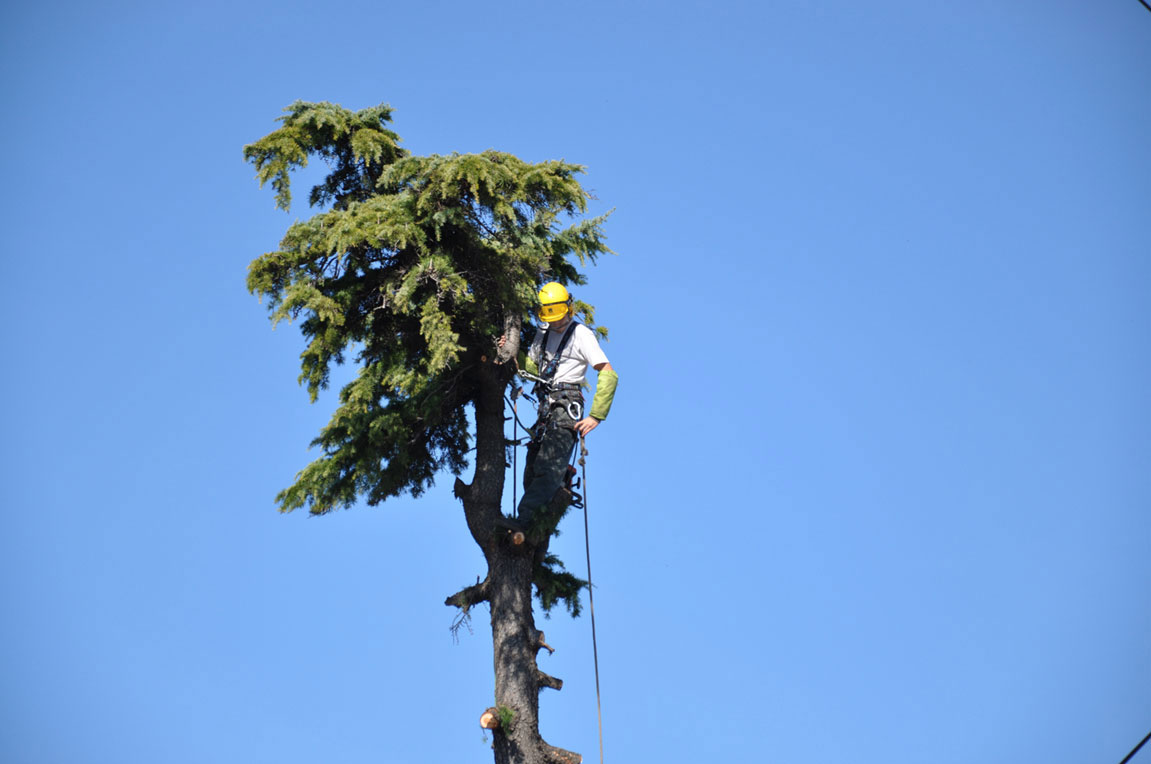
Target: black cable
{"x":1135,"y":750}
{"x":518,"y":421}
{"x":1148,"y":7}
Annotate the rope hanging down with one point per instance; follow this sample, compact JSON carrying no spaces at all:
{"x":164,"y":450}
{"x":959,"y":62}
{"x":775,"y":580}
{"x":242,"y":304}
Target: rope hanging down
{"x":515,"y":442}
{"x":590,"y":596}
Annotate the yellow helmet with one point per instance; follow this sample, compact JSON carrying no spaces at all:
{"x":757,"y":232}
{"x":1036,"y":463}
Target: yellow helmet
{"x":555,"y":302}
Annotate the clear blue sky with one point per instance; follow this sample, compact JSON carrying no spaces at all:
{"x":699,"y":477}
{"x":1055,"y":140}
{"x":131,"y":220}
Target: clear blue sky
{"x":876,"y":486}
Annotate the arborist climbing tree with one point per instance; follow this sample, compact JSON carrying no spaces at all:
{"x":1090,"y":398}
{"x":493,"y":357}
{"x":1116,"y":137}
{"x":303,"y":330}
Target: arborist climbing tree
{"x":413,"y":269}
{"x":557,"y":362}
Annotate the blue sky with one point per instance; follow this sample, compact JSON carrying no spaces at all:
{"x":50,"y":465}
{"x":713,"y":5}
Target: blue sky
{"x":875,"y":487}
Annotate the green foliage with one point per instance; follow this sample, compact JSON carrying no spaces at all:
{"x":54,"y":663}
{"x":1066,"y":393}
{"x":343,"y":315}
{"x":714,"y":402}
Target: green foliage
{"x":507,"y":717}
{"x":356,"y":145}
{"x":554,"y":584}
{"x":409,"y":271}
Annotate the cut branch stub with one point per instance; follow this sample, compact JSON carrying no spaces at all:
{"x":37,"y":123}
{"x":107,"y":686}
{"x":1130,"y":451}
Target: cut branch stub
{"x":560,"y":756}
{"x":472,"y":595}
{"x":490,"y":719}
{"x":513,"y":529}
{"x":546,"y":680}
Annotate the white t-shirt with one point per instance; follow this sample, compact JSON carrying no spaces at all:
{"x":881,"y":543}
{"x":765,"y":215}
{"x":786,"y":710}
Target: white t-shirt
{"x":582,"y":351}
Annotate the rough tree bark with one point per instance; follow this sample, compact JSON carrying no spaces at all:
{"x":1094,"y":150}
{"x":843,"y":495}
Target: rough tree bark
{"x":508,"y":585}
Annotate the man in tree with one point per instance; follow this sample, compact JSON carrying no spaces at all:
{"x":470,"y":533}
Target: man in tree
{"x":559,"y":358}
{"x":411,"y":271}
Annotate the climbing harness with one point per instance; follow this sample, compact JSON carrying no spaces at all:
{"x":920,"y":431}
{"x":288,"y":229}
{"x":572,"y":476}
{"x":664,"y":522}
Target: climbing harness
{"x":551,"y":394}
{"x":571,"y":482}
{"x":590,"y":593}
{"x":550,"y":365}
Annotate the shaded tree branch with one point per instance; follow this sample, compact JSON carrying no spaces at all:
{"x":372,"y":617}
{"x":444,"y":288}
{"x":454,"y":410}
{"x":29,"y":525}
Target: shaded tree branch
{"x":546,"y":680}
{"x":467,"y":597}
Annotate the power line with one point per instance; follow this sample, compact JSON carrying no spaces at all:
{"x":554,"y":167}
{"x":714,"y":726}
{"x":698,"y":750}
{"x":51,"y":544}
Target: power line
{"x":1145,"y":5}
{"x":1135,"y":750}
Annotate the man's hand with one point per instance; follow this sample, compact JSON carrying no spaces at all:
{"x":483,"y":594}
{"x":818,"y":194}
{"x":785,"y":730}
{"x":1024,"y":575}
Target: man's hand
{"x":586,"y":425}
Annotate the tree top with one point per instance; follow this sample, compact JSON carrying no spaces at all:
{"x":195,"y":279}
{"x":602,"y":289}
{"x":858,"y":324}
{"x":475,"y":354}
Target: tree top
{"x":412,"y":269}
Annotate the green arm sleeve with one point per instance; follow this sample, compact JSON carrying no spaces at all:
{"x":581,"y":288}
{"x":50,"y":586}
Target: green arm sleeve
{"x":528,"y":365}
{"x":604,"y":393}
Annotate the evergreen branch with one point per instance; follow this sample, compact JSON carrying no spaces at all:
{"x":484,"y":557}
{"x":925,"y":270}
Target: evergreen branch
{"x":554,"y":584}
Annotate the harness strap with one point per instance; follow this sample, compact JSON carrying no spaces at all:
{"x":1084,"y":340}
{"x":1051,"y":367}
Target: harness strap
{"x":555,"y":395}
{"x":549,"y":365}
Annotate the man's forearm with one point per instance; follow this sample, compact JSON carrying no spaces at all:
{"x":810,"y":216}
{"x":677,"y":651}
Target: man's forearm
{"x":604,"y":393}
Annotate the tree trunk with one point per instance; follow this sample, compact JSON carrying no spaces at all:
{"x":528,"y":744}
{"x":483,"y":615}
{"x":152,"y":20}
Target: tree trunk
{"x":508,"y":586}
